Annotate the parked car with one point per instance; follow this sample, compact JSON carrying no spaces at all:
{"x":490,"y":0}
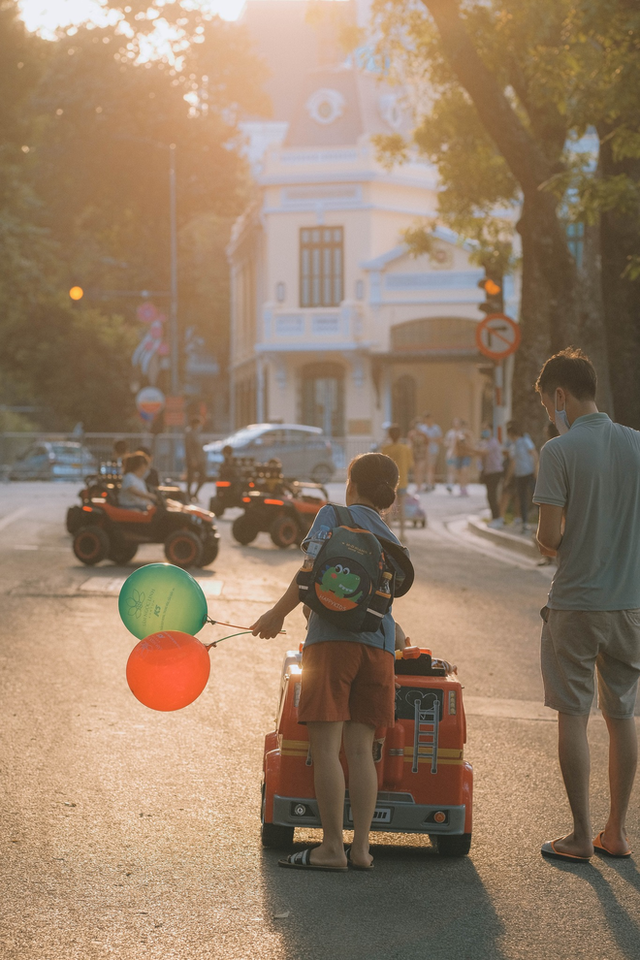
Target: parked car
{"x":305,"y":453}
{"x":53,"y":460}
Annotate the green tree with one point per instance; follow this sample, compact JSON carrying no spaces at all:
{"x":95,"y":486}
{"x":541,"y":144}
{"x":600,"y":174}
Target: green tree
{"x":511,"y":88}
{"x":90,"y":198}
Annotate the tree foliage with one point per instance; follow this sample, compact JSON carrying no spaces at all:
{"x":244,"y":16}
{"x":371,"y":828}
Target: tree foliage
{"x":84,"y":193}
{"x":505,"y":92}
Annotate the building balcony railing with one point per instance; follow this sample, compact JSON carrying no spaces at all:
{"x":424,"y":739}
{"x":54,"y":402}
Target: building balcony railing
{"x":312,"y":329}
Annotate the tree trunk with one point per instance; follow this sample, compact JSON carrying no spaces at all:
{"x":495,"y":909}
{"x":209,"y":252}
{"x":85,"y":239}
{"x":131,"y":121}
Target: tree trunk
{"x":620,"y":239}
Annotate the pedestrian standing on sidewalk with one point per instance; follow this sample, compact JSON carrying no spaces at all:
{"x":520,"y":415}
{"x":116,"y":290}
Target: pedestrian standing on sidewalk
{"x":588,"y":491}
{"x":450,"y":441}
{"x":464,"y":450}
{"x":401,"y":455}
{"x":525,"y":466}
{"x":195,"y":457}
{"x":419,"y":450}
{"x":434,"y":434}
{"x":348,"y":682}
{"x":490,"y":451}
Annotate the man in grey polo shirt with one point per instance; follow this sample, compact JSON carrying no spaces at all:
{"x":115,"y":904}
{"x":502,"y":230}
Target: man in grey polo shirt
{"x":588,"y":490}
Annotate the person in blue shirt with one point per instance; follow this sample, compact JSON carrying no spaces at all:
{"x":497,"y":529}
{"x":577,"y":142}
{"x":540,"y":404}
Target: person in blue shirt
{"x":348,"y":681}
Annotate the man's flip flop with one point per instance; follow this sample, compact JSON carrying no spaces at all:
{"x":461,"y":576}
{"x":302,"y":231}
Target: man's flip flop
{"x":548,"y":849}
{"x":301,"y":861}
{"x":356,"y":866}
{"x":600,"y":847}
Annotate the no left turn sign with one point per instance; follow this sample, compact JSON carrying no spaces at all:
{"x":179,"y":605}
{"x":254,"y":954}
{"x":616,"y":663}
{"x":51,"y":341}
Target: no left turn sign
{"x":498,"y":336}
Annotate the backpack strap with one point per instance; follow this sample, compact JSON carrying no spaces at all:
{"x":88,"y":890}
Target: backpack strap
{"x":343,"y":515}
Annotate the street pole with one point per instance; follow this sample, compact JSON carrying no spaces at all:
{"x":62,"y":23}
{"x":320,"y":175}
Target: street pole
{"x":498,"y":403}
{"x":173,"y":313}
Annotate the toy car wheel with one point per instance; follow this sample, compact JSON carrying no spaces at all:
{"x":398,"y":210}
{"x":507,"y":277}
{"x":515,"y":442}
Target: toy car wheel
{"x":123,"y":552}
{"x":284,"y":531}
{"x":91,"y":545}
{"x":184,"y":548}
{"x":275,"y":836}
{"x":451,"y":846}
{"x":321,"y":473}
{"x":244,"y":530}
{"x":210,"y":549}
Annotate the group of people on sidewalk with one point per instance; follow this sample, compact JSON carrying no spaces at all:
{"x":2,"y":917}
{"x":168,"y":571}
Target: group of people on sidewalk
{"x":588,"y":493}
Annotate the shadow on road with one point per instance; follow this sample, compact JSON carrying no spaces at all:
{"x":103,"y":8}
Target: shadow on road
{"x":624,"y":928}
{"x":413,"y":905}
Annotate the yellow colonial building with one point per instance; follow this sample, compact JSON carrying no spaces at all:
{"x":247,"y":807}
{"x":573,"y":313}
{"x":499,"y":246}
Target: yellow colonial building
{"x":334,"y":322}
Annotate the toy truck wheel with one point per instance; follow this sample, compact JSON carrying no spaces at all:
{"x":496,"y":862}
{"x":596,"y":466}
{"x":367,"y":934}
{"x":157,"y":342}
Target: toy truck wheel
{"x":284,"y":531}
{"x":210,"y":550}
{"x":276,"y":837}
{"x":244,"y":530}
{"x":122,"y":553}
{"x":183,"y":548}
{"x":91,"y":545}
{"x":452,"y":846}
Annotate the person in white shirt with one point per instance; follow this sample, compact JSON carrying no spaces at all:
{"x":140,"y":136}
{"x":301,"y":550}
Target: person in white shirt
{"x":450,"y":440}
{"x":434,"y":434}
{"x":133,"y":490}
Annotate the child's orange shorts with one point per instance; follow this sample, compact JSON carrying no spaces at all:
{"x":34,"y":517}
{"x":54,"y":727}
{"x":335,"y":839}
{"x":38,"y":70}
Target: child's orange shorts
{"x":347,"y":680}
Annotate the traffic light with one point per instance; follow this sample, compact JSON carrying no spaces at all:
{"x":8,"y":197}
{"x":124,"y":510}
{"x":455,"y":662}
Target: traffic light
{"x":76,"y":293}
{"x":492,"y":286}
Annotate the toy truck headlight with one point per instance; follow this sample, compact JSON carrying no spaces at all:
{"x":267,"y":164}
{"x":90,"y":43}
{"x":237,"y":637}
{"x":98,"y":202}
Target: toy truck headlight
{"x":453,"y":703}
{"x":299,"y":810}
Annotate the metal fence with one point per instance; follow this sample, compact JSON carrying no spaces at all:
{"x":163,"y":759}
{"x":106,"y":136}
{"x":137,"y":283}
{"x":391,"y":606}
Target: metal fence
{"x":167,"y":448}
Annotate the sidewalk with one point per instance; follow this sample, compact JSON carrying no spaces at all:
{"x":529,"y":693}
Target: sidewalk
{"x":505,"y":537}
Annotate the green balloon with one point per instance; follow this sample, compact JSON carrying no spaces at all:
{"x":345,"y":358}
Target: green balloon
{"x":159,"y":597}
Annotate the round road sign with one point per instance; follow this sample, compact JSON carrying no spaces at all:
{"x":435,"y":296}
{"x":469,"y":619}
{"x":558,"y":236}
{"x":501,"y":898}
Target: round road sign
{"x":150,"y":402}
{"x":498,"y":336}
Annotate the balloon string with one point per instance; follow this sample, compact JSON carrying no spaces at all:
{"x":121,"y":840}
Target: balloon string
{"x":222,"y":623}
{"x":216,"y":642}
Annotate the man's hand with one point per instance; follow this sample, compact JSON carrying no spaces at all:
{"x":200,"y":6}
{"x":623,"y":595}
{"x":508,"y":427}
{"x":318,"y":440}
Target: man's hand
{"x":268,"y":625}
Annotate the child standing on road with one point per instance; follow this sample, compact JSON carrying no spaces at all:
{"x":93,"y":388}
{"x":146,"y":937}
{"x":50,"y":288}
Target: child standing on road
{"x":348,"y":682}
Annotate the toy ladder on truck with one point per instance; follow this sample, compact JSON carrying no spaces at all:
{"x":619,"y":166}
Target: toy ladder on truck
{"x":425,"y":737}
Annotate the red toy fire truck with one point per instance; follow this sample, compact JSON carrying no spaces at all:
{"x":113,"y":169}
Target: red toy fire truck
{"x":424,"y":783}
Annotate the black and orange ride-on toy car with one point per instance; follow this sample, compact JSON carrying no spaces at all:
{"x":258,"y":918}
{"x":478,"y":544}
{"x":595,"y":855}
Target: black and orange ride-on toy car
{"x":103,"y":530}
{"x":424,"y":783}
{"x":287,"y":517}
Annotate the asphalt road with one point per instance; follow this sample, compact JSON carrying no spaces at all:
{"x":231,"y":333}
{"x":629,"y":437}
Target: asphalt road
{"x":133,"y":834}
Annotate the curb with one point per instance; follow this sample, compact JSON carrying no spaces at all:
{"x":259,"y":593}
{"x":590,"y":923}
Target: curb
{"x":502,"y":538}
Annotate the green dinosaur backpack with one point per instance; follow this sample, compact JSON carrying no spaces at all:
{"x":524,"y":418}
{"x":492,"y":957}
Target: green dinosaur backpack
{"x":354,"y":576}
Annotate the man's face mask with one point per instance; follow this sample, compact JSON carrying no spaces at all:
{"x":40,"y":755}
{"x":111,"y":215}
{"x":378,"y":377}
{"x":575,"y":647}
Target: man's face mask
{"x":560,"y":419}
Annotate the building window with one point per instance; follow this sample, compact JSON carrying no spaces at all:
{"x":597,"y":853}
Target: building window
{"x":321,"y":267}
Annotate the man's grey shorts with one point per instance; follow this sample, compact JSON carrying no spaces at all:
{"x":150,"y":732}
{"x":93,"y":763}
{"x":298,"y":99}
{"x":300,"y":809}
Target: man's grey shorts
{"x":574,"y":642}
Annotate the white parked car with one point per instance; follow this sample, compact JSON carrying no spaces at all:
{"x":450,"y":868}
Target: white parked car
{"x":305,"y":453}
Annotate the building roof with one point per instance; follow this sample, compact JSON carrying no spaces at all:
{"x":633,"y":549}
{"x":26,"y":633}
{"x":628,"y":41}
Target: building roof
{"x":291,"y":44}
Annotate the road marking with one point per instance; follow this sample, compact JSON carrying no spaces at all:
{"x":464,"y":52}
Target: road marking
{"x":10,"y":517}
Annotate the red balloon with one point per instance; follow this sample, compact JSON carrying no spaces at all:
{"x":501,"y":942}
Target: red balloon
{"x":168,"y":670}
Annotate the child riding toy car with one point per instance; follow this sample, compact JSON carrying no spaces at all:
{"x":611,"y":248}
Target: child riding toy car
{"x":101,"y":529}
{"x":424,"y":783}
